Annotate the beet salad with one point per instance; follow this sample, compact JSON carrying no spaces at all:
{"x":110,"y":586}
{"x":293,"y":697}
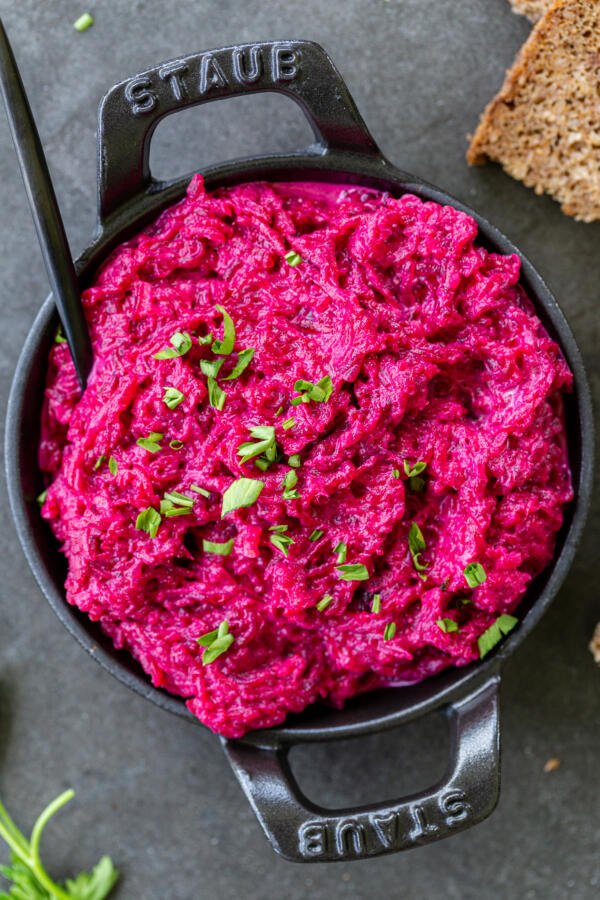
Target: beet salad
{"x":321,"y":450}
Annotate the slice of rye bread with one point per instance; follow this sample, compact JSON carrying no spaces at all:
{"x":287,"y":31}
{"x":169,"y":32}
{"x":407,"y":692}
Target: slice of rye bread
{"x":533,"y":9}
{"x":544,"y":124}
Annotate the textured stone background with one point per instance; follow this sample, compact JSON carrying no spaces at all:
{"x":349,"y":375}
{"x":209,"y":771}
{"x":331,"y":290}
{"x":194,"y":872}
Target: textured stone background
{"x":156,"y":792}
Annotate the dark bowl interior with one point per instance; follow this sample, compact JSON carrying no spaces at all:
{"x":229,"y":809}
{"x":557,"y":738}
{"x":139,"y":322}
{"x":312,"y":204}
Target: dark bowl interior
{"x":380,"y":709}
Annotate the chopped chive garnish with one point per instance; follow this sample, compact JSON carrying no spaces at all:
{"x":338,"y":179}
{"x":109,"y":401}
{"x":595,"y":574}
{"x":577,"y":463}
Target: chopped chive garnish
{"x":241,"y":493}
{"x":278,"y":411}
{"x":317,"y":533}
{"x":294,"y":461}
{"x":416,"y":545}
{"x":396,"y":473}
{"x":281,"y":541}
{"x":113,"y":466}
{"x":216,"y":642}
{"x":289,"y":423}
{"x":280,"y":529}
{"x":413,"y":473}
{"x":263,"y":446}
{"x":446,"y":625}
{"x":173,"y":511}
{"x":216,"y":396}
{"x":59,"y":337}
{"x":218,"y":548}
{"x":319,"y":392}
{"x":98,"y":463}
{"x":289,"y":483}
{"x":172,"y":397}
{"x":376,"y":603}
{"x":180,"y":342}
{"x":179,"y":499}
{"x":390,"y":631}
{"x":292,"y":258}
{"x":84,"y":22}
{"x":341,"y":550}
{"x":353,"y":572}
{"x":210,"y":367}
{"x":152,"y":442}
{"x":175,"y":444}
{"x":41,"y":498}
{"x":474,"y":574}
{"x":199,"y":490}
{"x":225,"y":347}
{"x":149,"y":521}
{"x":325,"y":602}
{"x":243,"y":361}
{"x":488,"y":640}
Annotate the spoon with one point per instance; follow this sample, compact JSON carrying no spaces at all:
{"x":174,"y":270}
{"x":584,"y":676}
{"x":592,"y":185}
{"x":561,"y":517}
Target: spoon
{"x":44,"y":209}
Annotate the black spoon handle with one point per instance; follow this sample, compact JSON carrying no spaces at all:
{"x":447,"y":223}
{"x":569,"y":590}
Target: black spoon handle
{"x":45,"y":211}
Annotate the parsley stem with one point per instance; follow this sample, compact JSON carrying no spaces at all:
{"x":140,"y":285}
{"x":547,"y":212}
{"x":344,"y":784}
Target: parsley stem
{"x":10,"y":826}
{"x":36,"y":834}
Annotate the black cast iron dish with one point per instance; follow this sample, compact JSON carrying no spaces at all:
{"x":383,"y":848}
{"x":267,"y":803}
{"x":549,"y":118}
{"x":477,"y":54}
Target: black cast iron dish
{"x":129,"y":197}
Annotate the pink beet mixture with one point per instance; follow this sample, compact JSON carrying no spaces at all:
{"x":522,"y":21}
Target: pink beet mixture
{"x":435,"y":356}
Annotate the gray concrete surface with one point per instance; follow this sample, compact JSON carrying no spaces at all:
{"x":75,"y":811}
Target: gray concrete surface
{"x":155,"y":792}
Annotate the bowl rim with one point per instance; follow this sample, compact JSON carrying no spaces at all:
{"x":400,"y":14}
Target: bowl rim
{"x":342,"y":167}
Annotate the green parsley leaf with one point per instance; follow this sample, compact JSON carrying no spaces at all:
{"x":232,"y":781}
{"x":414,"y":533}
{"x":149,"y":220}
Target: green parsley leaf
{"x":396,"y":473}
{"x":389,"y":631}
{"x":474,"y":574}
{"x":243,"y":361}
{"x":317,"y":533}
{"x":207,"y":339}
{"x":292,"y":258}
{"x":31,"y":881}
{"x":59,"y":337}
{"x":216,"y":642}
{"x":216,"y":397}
{"x":210,"y":367}
{"x":241,"y":493}
{"x":172,"y":397}
{"x":502,"y":626}
{"x":446,"y":625}
{"x":98,"y":463}
{"x":281,"y":541}
{"x":199,"y":490}
{"x":294,"y":461}
{"x":416,"y":545}
{"x":148,"y":520}
{"x":225,"y":347}
{"x":289,"y":423}
{"x":175,"y":444}
{"x":353,"y":572}
{"x":325,"y":602}
{"x":113,"y":466}
{"x":376,"y":603}
{"x":180,"y":342}
{"x":319,"y":392}
{"x":341,"y":550}
{"x":217,"y":548}
{"x":263,"y":445}
{"x":173,"y":511}
{"x":41,"y":498}
{"x":152,"y":442}
{"x":85,"y":21}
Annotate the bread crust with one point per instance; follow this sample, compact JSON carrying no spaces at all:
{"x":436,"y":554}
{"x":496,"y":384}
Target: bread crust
{"x":533,"y":9}
{"x":543,"y":126}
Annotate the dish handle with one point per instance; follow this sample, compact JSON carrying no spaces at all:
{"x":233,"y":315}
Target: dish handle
{"x":301,"y":831}
{"x":131,"y":110}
